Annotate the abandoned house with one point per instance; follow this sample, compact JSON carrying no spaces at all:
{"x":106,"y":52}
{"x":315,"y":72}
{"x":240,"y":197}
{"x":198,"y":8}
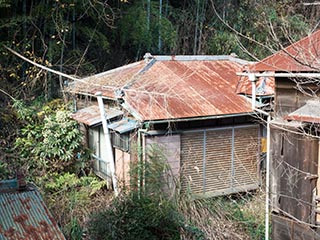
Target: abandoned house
{"x":294,"y":155}
{"x":23,"y":213}
{"x":186,"y":105}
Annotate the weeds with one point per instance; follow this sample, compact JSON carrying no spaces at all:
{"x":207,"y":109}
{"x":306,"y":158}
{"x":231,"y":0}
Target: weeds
{"x":155,"y":213}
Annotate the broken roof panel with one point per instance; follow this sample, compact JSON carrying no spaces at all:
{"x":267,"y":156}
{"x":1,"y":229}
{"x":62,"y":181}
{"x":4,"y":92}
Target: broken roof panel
{"x":300,"y":56}
{"x":310,"y":112}
{"x":92,"y":116}
{"x":24,"y":215}
{"x":175,"y":87}
{"x":124,"y":125}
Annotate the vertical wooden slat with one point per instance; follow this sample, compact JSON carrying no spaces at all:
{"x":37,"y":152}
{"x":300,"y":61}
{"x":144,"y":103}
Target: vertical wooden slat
{"x":276,"y":167}
{"x":246,"y":156}
{"x":294,"y":160}
{"x":218,"y":159}
{"x":192,"y":162}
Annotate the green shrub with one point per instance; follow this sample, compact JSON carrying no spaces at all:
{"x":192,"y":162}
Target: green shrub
{"x":133,"y":217}
{"x":49,"y":141}
{"x":147,"y":212}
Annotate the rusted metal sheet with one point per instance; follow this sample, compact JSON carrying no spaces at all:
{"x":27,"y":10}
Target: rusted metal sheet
{"x":91,"y":115}
{"x":310,"y":112}
{"x":168,"y":146}
{"x":264,"y":86}
{"x":107,"y":82}
{"x":174,"y":87}
{"x":187,"y":89}
{"x":24,"y":215}
{"x":301,"y":56}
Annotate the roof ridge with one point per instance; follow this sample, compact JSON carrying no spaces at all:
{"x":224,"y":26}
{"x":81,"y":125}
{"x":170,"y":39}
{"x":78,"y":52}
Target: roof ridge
{"x":200,"y":58}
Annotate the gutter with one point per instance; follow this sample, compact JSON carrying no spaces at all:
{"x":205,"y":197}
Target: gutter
{"x":197,"y":118}
{"x":141,"y":163}
{"x":267,"y":200}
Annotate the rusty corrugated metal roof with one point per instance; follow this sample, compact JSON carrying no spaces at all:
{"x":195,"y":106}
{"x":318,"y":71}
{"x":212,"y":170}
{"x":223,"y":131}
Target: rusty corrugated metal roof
{"x":107,"y":82}
{"x":264,"y":86}
{"x":175,"y":87}
{"x":91,"y":115}
{"x":310,"y":112}
{"x":24,"y":215}
{"x":301,"y":56}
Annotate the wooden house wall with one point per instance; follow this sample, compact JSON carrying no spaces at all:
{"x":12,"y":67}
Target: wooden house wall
{"x":294,"y":159}
{"x":289,"y":98}
{"x":286,"y":229}
{"x":122,"y":165}
{"x":169,"y":146}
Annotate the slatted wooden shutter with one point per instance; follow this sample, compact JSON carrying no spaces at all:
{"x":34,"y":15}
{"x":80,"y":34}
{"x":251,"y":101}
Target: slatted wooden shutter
{"x":246,"y":157}
{"x":192,"y":162}
{"x":220,"y":161}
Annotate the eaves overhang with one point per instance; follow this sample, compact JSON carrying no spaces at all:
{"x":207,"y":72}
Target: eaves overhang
{"x":155,"y":121}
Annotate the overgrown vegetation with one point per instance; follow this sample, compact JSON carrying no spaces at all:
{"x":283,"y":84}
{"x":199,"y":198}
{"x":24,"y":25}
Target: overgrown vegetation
{"x":153,"y":211}
{"x":84,"y":37}
{"x":48,"y":149}
{"x":81,"y":205}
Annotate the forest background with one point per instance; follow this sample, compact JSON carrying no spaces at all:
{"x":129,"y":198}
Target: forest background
{"x":85,"y":37}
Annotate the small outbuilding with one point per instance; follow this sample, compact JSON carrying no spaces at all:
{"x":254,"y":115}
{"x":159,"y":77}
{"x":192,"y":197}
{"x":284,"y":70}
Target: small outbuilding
{"x":294,"y":156}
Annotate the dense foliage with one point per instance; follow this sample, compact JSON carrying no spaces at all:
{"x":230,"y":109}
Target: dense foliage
{"x":84,"y":37}
{"x":48,"y":150}
{"x":49,"y":141}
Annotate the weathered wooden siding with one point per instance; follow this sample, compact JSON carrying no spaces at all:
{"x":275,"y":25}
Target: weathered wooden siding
{"x":286,"y":229}
{"x":294,"y":159}
{"x":169,"y":146}
{"x":288,"y":98}
{"x":122,"y":164}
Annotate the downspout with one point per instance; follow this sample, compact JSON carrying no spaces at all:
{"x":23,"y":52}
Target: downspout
{"x":141,"y":154}
{"x":253,"y":79}
{"x":267,"y":179}
{"x":267,"y":202}
{"x":108,"y":143}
